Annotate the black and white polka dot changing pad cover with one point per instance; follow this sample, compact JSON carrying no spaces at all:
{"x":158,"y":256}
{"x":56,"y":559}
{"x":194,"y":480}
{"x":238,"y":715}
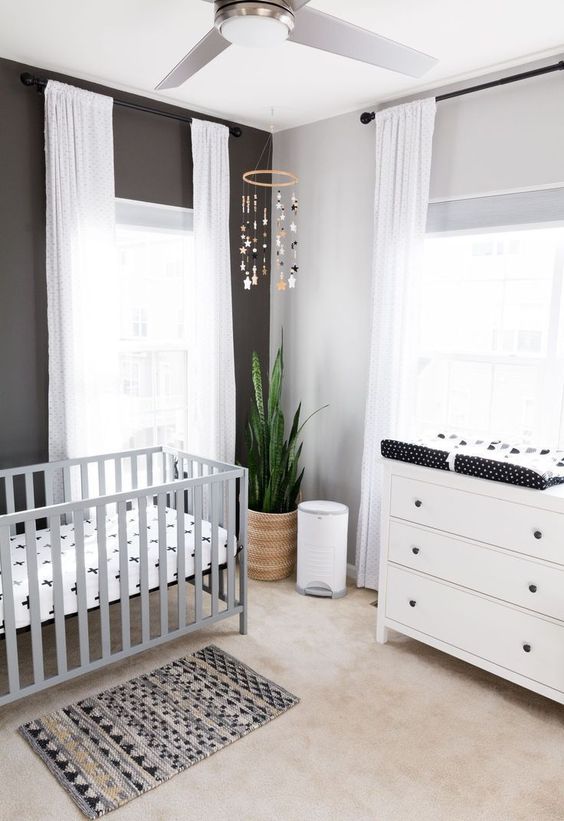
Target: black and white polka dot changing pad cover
{"x":515,"y":464}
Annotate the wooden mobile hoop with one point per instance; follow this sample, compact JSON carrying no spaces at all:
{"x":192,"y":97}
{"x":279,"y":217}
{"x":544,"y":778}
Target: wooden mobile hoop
{"x":290,"y":179}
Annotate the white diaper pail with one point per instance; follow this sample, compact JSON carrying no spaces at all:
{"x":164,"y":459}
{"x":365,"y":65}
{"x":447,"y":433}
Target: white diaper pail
{"x":322,"y":549}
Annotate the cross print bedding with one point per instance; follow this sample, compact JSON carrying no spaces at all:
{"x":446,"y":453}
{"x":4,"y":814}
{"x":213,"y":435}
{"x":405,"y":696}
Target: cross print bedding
{"x":515,"y":464}
{"x":68,"y":561}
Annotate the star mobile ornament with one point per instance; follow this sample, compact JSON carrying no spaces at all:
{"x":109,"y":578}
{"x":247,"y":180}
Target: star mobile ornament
{"x":261,"y":207}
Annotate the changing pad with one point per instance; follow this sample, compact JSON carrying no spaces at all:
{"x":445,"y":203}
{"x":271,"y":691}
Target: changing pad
{"x":515,"y":464}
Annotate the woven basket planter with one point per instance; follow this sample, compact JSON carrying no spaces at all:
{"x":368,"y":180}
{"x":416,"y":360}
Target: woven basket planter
{"x":272,"y":545}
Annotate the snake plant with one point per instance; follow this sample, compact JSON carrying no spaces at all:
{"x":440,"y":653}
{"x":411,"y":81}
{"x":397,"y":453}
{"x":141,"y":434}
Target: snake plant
{"x":275,"y":477}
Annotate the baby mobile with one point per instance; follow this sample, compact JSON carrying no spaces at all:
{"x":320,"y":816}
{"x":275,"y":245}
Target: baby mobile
{"x":258,"y":220}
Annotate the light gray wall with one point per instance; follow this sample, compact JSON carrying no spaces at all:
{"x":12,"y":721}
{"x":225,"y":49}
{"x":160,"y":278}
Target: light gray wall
{"x":505,"y":138}
{"x":511,"y":137}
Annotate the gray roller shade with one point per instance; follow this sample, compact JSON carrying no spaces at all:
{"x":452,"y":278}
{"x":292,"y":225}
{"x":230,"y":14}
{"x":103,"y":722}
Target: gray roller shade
{"x":500,"y":210}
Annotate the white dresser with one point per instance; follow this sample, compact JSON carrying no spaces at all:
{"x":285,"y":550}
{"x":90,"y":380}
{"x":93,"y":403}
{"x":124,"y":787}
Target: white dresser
{"x":475,"y":568}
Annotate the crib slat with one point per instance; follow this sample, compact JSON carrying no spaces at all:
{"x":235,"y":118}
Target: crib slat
{"x":29,"y":491}
{"x":101,"y":477}
{"x":10,"y":636}
{"x":163,"y":589}
{"x":9,"y":484}
{"x":48,"y":479}
{"x":164,"y":466}
{"x":181,"y":559}
{"x":81,"y":599}
{"x":33,"y":602}
{"x":243,"y":583}
{"x":124,"y":576}
{"x":230,"y":540}
{"x":117,"y":470}
{"x":144,"y":570}
{"x":198,"y":550}
{"x":171,"y":474}
{"x":149,"y":469}
{"x":134,"y":472}
{"x":67,"y":489}
{"x":84,"y":489}
{"x":215,"y":503}
{"x":58,"y":601}
{"x":103,"y":580}
{"x":187,"y":474}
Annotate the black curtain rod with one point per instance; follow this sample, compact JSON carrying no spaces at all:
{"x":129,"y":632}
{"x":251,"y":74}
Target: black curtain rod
{"x":40,"y":83}
{"x":367,"y":116}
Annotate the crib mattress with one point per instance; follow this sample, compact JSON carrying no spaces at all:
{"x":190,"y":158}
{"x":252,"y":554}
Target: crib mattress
{"x":68,"y":561}
{"x":512,"y":463}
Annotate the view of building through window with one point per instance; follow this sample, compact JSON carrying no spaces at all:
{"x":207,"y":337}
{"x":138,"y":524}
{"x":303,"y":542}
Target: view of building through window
{"x":155,"y":267}
{"x":491,"y":332}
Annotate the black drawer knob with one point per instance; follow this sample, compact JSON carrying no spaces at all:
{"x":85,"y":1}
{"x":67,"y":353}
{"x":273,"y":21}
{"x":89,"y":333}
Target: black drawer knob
{"x":412,"y":602}
{"x":538,"y":534}
{"x":527,"y":648}
{"x":415,"y":550}
{"x":533,"y":588}
{"x":418,"y":503}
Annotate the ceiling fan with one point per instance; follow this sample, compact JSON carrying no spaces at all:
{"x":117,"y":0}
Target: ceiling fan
{"x":270,"y":22}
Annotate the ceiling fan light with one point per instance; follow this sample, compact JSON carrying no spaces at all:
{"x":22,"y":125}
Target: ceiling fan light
{"x":254,"y":32}
{"x":254,"y":23}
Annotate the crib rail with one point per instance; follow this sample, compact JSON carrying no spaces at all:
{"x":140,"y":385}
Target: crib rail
{"x":88,"y":581}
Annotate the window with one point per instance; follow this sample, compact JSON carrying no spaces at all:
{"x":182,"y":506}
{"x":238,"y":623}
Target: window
{"x":155,"y":268}
{"x":490,"y":357}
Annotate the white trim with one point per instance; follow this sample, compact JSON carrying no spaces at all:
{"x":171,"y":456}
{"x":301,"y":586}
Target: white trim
{"x":498,"y":192}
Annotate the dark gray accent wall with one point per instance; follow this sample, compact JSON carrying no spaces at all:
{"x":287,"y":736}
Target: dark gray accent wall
{"x":153,"y":163}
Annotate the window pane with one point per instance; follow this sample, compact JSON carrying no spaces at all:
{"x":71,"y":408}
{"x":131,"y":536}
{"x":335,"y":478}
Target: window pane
{"x":155,"y":270}
{"x":490,"y":330}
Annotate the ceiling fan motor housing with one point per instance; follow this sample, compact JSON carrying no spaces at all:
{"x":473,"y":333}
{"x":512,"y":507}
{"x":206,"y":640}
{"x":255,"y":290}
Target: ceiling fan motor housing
{"x":278,"y":10}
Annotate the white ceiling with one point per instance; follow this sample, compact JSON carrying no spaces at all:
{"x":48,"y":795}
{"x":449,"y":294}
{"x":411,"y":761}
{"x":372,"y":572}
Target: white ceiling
{"x":132,"y":44}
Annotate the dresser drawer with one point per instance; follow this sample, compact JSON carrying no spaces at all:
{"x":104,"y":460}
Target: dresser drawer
{"x":517,"y":580}
{"x":521,"y":642}
{"x":525,"y":529}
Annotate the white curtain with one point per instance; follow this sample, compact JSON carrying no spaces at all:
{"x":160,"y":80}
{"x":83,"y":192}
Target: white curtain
{"x":211,"y":430}
{"x":403,"y":165}
{"x":81,"y":284}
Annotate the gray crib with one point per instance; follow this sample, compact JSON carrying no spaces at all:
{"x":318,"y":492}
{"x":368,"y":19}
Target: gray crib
{"x":105,"y":556}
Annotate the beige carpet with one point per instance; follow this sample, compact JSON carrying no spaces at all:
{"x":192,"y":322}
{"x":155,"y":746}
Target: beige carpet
{"x":394,"y":732}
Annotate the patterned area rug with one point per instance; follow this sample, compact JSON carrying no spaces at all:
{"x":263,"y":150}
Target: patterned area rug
{"x":111,"y":748}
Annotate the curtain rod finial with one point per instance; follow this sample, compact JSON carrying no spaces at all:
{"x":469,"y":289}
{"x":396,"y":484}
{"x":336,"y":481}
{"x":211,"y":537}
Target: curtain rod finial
{"x":367,"y":117}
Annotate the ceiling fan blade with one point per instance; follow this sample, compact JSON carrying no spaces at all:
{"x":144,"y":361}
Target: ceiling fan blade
{"x":298,"y":4}
{"x":203,"y":53}
{"x":319,"y":30}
